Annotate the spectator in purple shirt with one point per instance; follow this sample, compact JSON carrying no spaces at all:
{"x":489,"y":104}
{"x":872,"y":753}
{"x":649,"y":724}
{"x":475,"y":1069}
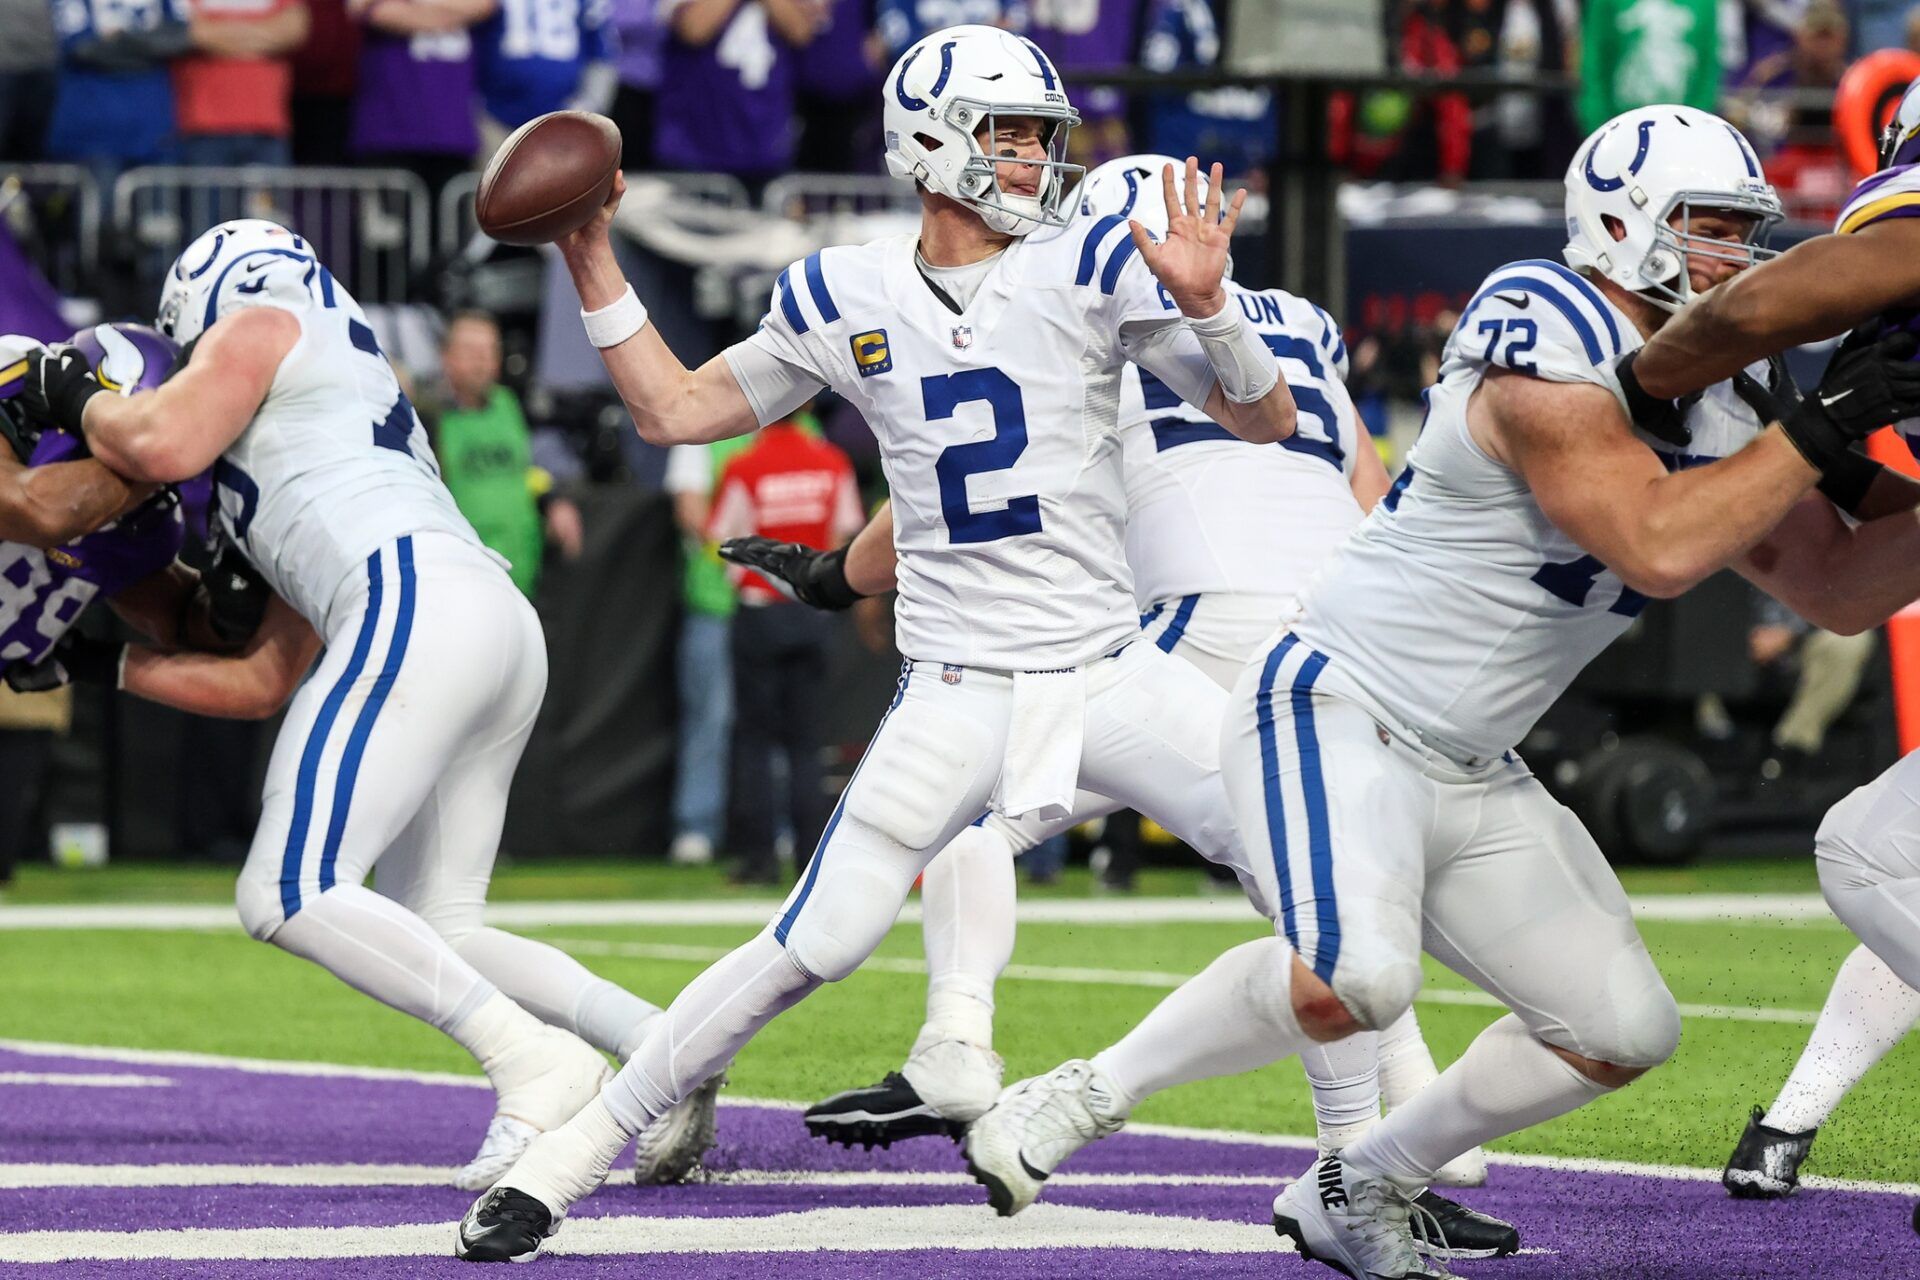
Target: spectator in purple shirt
{"x":727,"y":85}
{"x":1092,"y":35}
{"x":415,"y":103}
{"x":839,"y":129}
{"x":637,"y":37}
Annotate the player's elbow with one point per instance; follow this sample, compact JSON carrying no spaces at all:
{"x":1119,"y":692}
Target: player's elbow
{"x":1661,"y":575}
{"x":1266,"y":421}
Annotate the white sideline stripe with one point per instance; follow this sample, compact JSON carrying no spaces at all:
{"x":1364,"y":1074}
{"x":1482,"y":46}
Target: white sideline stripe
{"x":91,"y":1081}
{"x":1292,"y":1142}
{"x":1785,"y":908}
{"x":1155,"y":979}
{"x":17,"y":1177}
{"x":859,"y":1230}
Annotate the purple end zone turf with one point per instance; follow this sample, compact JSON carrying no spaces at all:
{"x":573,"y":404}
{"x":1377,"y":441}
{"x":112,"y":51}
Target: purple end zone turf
{"x":1585,"y":1225}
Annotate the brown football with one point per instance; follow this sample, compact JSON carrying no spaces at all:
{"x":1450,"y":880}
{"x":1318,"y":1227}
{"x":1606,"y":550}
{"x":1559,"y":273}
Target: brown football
{"x":548,"y":178}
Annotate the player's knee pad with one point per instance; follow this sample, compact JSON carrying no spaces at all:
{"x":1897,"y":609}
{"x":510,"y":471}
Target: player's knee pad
{"x":863,"y":881}
{"x":261,"y":911}
{"x":918,"y":774}
{"x":1845,"y":836}
{"x":1377,"y":991}
{"x":1634,"y":1023}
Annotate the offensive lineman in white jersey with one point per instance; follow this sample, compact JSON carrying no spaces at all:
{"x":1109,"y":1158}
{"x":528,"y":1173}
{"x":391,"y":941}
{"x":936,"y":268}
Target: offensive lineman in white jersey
{"x":400,"y":745}
{"x":1369,"y":756}
{"x":1221,"y":537}
{"x":1868,"y":270}
{"x":986,"y":354}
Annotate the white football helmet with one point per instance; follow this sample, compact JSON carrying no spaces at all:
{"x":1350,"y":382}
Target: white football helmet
{"x":1900,"y":142}
{"x":188,"y":297}
{"x":1132,"y":186}
{"x":949,"y":86}
{"x":1642,"y":167}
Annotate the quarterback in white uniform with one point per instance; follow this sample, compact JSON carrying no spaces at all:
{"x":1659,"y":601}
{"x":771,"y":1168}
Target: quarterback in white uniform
{"x":399,"y":747}
{"x":986,"y":353}
{"x":1369,"y":755}
{"x":1221,"y":537}
{"x":1868,"y":848}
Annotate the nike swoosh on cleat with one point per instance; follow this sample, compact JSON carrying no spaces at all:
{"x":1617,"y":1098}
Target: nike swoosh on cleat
{"x":1032,"y":1172}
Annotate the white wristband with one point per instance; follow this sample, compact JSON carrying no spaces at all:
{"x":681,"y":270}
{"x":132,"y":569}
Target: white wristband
{"x":1245,"y":365}
{"x":614,"y":323}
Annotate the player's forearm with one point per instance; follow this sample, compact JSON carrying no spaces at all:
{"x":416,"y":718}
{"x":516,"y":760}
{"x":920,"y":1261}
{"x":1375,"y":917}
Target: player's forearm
{"x":1267,"y":420}
{"x":137,"y":437}
{"x":1685,"y":527}
{"x":251,"y":685}
{"x":872,"y":563}
{"x":50,"y":505}
{"x":1840,"y":578}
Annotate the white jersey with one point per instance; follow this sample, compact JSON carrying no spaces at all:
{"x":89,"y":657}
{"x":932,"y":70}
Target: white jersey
{"x":1458,"y":608}
{"x":335,"y":463}
{"x":1208,"y":513}
{"x":998,"y":427}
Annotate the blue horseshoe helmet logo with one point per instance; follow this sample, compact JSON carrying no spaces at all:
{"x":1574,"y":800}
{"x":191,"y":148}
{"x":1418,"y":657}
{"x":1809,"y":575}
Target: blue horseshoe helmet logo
{"x":1599,"y":183}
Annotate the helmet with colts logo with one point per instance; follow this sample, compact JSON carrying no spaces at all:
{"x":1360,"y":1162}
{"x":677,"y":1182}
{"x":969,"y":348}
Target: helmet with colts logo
{"x":1132,"y":186}
{"x":188,"y":298}
{"x":950,"y":85}
{"x":1641,"y":168}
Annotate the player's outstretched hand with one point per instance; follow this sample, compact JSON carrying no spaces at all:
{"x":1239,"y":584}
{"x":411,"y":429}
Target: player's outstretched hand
{"x":237,"y":596}
{"x":58,"y":384}
{"x":817,"y":578}
{"x":1662,"y":419}
{"x":1870,"y":382}
{"x":75,"y":660}
{"x":596,"y":228}
{"x":1192,"y":260}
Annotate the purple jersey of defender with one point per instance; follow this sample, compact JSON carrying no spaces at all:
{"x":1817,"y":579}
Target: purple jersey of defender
{"x":42,"y":593}
{"x":726,"y":105}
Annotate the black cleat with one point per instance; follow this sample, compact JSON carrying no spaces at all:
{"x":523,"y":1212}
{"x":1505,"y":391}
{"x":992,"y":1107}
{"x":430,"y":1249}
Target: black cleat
{"x":879,"y":1116}
{"x":504,"y":1225}
{"x":1467,"y":1233}
{"x":1766,"y":1164}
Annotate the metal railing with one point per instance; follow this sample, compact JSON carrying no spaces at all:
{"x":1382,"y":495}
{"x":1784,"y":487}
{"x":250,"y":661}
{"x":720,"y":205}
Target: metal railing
{"x":371,"y":226}
{"x":54,"y":211}
{"x":458,"y":226}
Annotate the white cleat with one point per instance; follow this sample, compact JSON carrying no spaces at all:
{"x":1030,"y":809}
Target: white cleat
{"x":1362,"y":1227}
{"x":958,"y":1080}
{"x":670,"y":1149}
{"x":542,"y":1082}
{"x":1035,"y":1125}
{"x":1469,"y":1170}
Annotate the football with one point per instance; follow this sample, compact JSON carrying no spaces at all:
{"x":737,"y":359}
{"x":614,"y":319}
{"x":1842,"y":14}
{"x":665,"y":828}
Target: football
{"x":548,"y":178}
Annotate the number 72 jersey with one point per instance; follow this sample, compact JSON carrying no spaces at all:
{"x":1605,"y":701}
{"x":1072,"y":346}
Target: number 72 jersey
{"x":1458,"y":607}
{"x":998,"y":429}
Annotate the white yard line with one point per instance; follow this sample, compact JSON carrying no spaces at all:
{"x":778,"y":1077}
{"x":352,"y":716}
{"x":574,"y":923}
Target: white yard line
{"x":87,"y":1080}
{"x":860,"y":1230}
{"x":14,"y":1177}
{"x":1576,"y":1164}
{"x":1154,"y":979}
{"x":1777,"y":908}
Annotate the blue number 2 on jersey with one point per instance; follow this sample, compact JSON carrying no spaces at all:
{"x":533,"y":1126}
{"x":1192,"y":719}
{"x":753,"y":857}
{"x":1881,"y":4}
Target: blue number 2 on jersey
{"x":941,"y":395}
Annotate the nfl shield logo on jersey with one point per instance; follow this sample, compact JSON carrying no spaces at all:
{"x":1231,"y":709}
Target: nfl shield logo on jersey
{"x":962,"y":336}
{"x":950,"y":674}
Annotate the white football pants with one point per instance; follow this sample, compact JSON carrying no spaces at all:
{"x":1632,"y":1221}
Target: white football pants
{"x":1869,"y":857}
{"x":399,"y":750}
{"x":1373,"y":846}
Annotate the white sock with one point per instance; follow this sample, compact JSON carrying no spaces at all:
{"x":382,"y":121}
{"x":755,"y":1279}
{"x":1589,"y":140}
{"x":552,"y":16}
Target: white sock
{"x":1406,"y":1064}
{"x":966,"y":901}
{"x":564,"y":1165}
{"x":1506,"y":1081}
{"x":1235,"y":1015}
{"x":375,"y":945}
{"x":495,"y":1025}
{"x":1346,"y":1087}
{"x":559,"y":990}
{"x":707,"y":1023}
{"x":1866,"y":1014}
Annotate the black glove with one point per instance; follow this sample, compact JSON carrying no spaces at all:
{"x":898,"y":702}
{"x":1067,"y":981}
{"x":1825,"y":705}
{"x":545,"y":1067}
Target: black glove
{"x":1869,"y":383}
{"x":1662,"y":419}
{"x":21,"y":431}
{"x":1847,"y":478}
{"x":236,"y":596}
{"x":74,"y":660}
{"x":818,"y":578}
{"x":58,"y":385}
